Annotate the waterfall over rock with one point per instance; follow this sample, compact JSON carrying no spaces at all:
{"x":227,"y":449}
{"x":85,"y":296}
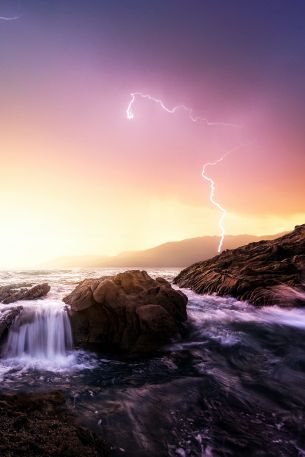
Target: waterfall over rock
{"x":41,"y":332}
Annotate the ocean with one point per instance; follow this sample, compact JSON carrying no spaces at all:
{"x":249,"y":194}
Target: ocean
{"x":233,"y":385}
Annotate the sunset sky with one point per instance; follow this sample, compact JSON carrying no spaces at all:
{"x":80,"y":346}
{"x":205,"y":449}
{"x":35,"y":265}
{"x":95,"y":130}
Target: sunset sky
{"x":77,"y":177}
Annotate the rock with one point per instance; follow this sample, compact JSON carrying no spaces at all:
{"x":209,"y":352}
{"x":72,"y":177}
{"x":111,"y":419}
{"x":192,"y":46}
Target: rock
{"x":7,"y":317}
{"x":130,"y":311}
{"x":258,"y":272}
{"x":16,"y":292}
{"x":40,"y":424}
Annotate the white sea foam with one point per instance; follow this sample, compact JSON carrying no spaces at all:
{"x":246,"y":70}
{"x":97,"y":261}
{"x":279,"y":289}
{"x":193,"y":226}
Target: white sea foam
{"x":207,"y":308}
{"x":40,"y":337}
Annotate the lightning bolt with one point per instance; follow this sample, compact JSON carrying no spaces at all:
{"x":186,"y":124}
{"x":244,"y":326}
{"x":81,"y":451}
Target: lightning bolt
{"x":13,"y":18}
{"x":189,"y":112}
{"x":223,"y":211}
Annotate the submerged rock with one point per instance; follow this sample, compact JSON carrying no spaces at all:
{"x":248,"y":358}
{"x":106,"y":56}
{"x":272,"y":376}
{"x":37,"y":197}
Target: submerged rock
{"x":258,"y":272}
{"x":130,"y":311}
{"x":16,"y":292}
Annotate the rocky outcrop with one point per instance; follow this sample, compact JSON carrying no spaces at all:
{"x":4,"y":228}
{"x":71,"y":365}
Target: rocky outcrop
{"x":130,"y":311}
{"x":40,"y":424}
{"x":258,"y":272}
{"x":16,"y":292}
{"x":13,"y":293}
{"x":7,"y":317}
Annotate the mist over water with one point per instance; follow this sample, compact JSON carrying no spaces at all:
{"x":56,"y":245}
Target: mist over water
{"x":232,"y":385}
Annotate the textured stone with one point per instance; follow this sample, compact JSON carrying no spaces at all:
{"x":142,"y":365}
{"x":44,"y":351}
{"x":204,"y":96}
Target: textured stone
{"x":16,"y":292}
{"x":263,"y":273}
{"x":130,"y":312}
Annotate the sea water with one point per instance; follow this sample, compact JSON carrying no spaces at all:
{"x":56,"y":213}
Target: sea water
{"x":233,"y":384}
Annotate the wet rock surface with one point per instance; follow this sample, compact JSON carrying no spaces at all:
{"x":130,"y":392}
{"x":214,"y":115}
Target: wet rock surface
{"x":40,"y":425}
{"x":195,"y":417}
{"x":129,"y":311}
{"x":16,"y":292}
{"x":262,"y":273}
{"x":7,"y":317}
{"x":232,"y":386}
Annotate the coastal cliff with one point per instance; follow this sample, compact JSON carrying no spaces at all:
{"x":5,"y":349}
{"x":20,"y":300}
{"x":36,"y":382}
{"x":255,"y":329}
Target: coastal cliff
{"x":263,"y":273}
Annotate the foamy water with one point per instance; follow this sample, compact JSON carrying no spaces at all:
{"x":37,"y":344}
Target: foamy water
{"x":203,"y":308}
{"x":234,"y":362}
{"x":41,"y":337}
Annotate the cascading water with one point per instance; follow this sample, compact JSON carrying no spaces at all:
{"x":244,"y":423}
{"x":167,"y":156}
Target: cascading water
{"x":242,"y":368}
{"x":40,"y":334}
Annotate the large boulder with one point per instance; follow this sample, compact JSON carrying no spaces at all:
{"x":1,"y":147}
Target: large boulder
{"x":16,"y":292}
{"x":263,"y":273}
{"x":130,"y":311}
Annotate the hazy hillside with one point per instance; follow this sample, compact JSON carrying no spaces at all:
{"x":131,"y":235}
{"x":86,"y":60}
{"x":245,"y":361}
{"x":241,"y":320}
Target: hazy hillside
{"x":171,"y":254}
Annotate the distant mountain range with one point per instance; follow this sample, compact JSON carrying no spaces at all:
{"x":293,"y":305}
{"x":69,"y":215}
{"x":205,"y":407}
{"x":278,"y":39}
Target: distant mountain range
{"x":172,"y":254}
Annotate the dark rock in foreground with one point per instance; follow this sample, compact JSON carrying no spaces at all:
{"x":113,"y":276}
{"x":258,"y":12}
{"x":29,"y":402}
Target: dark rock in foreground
{"x":40,"y":425}
{"x":16,"y":292}
{"x":263,"y":273}
{"x":130,"y":311}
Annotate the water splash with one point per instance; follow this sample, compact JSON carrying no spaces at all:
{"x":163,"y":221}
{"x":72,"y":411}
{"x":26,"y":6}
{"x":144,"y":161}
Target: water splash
{"x":41,"y":335}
